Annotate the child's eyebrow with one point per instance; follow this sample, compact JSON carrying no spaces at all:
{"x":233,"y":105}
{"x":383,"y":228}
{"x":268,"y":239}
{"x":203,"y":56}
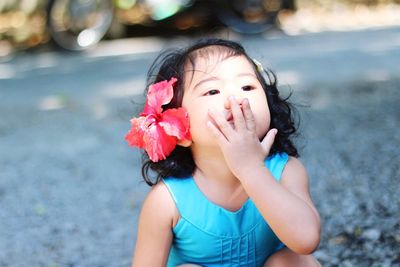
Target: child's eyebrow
{"x":213,"y":78}
{"x":205,"y":80}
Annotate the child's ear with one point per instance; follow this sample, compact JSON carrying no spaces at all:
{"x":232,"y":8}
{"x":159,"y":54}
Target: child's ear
{"x":184,"y":143}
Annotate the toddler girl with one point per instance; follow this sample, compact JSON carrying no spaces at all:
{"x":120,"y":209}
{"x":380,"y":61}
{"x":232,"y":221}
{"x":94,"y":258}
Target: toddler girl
{"x":229,"y":189}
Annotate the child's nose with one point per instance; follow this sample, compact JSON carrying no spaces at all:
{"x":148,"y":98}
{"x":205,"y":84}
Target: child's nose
{"x":227,"y":103}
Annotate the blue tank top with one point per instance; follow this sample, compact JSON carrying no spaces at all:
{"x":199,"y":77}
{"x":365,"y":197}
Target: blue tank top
{"x":209,"y":235}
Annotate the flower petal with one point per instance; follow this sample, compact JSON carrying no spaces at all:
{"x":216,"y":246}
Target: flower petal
{"x":175,"y":122}
{"x":159,"y":94}
{"x":157,"y":143}
{"x":135,"y":135}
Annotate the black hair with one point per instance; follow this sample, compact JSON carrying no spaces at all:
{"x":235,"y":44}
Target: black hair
{"x":170,"y":64}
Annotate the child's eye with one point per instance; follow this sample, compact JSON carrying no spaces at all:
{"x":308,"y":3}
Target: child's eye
{"x":212,"y":92}
{"x":248,"y":88}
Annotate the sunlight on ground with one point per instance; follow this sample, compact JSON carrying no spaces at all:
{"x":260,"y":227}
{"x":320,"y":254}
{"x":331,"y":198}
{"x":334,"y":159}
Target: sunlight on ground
{"x":127,"y":46}
{"x":340,"y":18}
{"x":6,"y":72}
{"x":51,"y":102}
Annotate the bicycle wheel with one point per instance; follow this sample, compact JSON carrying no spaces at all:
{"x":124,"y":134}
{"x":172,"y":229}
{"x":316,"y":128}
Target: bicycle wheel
{"x":79,"y":24}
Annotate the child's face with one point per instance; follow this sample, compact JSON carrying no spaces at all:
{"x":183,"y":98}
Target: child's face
{"x":210,"y":85}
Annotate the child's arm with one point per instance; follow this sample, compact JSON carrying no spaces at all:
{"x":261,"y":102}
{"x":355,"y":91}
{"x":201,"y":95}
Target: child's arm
{"x":154,"y":235}
{"x":286,"y":206}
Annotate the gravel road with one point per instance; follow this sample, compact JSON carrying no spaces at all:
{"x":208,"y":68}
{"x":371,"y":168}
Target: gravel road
{"x":70,"y":188}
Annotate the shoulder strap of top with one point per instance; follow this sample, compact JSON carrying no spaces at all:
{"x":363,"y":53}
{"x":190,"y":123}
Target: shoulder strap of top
{"x":180,"y":189}
{"x":276,"y":163}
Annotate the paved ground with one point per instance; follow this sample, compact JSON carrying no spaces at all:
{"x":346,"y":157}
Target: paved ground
{"x":70,"y":187}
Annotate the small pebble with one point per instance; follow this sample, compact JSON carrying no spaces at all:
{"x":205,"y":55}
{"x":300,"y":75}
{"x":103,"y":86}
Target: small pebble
{"x":371,"y":234}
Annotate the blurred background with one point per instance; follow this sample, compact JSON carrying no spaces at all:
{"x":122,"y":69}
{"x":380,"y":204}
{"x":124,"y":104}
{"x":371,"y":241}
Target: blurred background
{"x":79,"y":24}
{"x":72,"y":74}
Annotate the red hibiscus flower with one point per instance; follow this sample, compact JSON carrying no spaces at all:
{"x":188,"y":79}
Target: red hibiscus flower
{"x":158,"y":131}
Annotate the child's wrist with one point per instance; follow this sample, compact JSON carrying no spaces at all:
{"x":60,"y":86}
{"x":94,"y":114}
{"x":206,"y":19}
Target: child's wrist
{"x":251,"y":170}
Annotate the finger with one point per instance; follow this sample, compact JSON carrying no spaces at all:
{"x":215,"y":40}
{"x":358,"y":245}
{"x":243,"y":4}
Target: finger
{"x":227,"y":104}
{"x":248,"y":115}
{"x":237,"y":114}
{"x":268,"y":140}
{"x":221,"y":139}
{"x":221,"y":123}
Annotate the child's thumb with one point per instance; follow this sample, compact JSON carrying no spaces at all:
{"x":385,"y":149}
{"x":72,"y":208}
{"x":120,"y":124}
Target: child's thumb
{"x":269,"y":139}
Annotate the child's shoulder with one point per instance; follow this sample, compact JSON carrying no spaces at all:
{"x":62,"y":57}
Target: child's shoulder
{"x":294,"y":166}
{"x":160,"y":206}
{"x":294,"y":174}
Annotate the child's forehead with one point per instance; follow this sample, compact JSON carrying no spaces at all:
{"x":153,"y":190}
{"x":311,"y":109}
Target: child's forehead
{"x":205,"y":67}
{"x":205,"y":60}
{"x":211,"y":54}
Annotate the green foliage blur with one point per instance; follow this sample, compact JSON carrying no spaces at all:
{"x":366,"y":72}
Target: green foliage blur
{"x":23,"y":22}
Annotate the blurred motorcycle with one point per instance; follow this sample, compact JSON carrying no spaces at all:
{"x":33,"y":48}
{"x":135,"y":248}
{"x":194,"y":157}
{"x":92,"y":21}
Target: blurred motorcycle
{"x":251,"y":16}
{"x":80,"y":24}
